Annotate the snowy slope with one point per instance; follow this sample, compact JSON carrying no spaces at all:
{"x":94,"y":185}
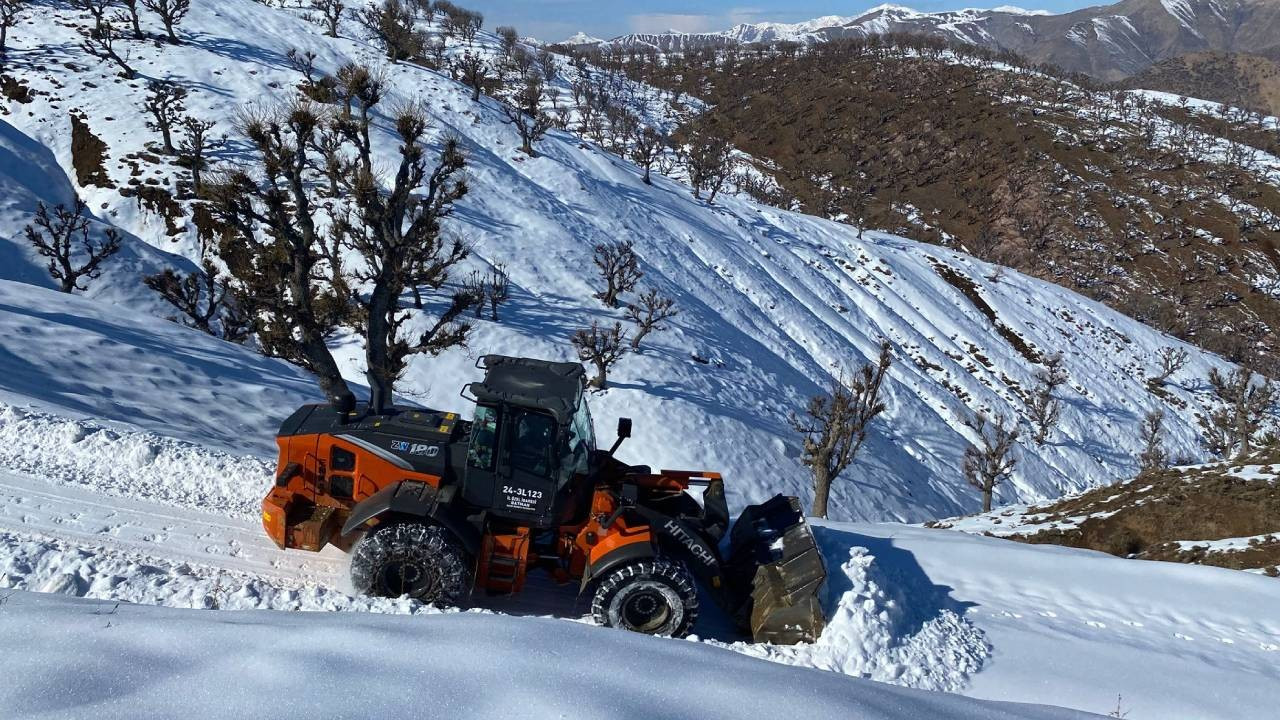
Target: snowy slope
{"x":29,"y":175}
{"x":774,"y":301}
{"x":140,"y":662}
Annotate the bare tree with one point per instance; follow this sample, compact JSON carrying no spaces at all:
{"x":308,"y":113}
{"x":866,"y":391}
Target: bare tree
{"x":331,"y":12}
{"x":194,"y":147}
{"x":133,"y":14}
{"x":273,"y":244}
{"x":165,"y":101}
{"x":489,"y":289}
{"x":619,"y":268}
{"x":646,"y":147}
{"x":475,"y":72}
{"x":523,"y":109}
{"x":64,"y":239}
{"x":548,"y":66}
{"x":1044,"y":408}
{"x":100,"y":42}
{"x":203,"y":298}
{"x":835,"y":425}
{"x":1154,"y":457}
{"x":648,"y":313}
{"x":392,"y":24}
{"x":171,"y":13}
{"x":708,"y":162}
{"x":1171,"y":360}
{"x":988,"y":466}
{"x":97,"y":9}
{"x":508,"y":39}
{"x":10,"y":16}
{"x":400,"y":239}
{"x":602,"y":348}
{"x":1245,"y":405}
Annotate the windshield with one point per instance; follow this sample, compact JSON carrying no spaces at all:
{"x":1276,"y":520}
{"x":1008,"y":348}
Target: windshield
{"x":580,"y":440}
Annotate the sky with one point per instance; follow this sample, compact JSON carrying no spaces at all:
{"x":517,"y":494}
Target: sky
{"x":554,"y":20}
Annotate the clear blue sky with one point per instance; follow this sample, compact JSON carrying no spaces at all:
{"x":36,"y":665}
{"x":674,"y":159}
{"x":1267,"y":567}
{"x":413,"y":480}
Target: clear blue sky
{"x":552,"y":20}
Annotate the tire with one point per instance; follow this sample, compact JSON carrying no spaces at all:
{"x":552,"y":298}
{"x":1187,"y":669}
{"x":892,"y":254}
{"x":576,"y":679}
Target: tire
{"x":654,"y":597}
{"x":423,"y":562}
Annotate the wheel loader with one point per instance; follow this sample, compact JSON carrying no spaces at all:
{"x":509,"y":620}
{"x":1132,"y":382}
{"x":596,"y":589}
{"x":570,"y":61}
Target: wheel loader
{"x":435,"y":507}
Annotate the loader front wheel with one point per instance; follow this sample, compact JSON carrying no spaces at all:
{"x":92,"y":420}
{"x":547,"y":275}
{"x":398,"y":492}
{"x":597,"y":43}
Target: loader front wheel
{"x":655,"y":597}
{"x":424,"y":562}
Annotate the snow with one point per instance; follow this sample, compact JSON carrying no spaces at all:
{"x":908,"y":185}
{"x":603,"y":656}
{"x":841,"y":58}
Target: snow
{"x":775,"y":301}
{"x":1227,"y":544}
{"x":580,"y":38}
{"x":90,"y":659}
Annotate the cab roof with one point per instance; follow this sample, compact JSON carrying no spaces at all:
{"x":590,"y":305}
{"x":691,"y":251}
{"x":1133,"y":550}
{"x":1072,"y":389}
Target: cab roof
{"x":552,"y":387}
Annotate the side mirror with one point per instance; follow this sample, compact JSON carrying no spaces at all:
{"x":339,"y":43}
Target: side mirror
{"x":624,"y":432}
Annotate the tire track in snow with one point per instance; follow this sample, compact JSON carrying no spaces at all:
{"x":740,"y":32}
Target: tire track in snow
{"x":80,"y":516}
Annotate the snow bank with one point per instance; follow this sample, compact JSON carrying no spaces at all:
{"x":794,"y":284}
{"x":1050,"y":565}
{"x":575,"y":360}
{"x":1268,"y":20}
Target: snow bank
{"x":133,"y":464}
{"x":884,"y":627}
{"x":89,"y":659}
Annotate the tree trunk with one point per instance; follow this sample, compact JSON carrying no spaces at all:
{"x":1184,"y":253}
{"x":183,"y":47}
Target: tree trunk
{"x":168,"y":28}
{"x":986,"y":498}
{"x":382,"y":303}
{"x":821,"y":490}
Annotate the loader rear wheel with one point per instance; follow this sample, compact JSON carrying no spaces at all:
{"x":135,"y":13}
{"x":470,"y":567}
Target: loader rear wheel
{"x":655,"y":597}
{"x":424,"y":562}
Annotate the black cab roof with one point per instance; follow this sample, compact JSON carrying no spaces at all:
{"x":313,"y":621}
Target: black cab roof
{"x":553,"y":387}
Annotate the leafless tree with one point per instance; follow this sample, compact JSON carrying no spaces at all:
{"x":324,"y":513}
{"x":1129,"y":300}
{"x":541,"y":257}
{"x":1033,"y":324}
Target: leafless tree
{"x":204,"y":300}
{"x":987,"y":466}
{"x":619,"y":269}
{"x":602,"y":348}
{"x":460,"y":22}
{"x":475,"y":72}
{"x":194,"y":147}
{"x":165,"y":102}
{"x":708,"y":162}
{"x":1154,"y":457}
{"x":548,"y":66}
{"x":10,"y":15}
{"x":100,"y":42}
{"x":64,"y":238}
{"x":508,"y":39}
{"x":648,"y":313}
{"x":489,"y":289}
{"x":523,"y":110}
{"x":392,"y":24}
{"x":647,"y":146}
{"x":1044,"y":408}
{"x":273,"y":244}
{"x":171,"y":13}
{"x":1171,"y":360}
{"x":835,"y":425}
{"x":1245,"y":404}
{"x":97,"y":9}
{"x":331,"y":12}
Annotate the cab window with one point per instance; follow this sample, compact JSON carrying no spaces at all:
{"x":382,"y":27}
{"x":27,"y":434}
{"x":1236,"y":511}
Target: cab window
{"x":484,"y":438}
{"x":532,"y":444}
{"x":580,"y":441}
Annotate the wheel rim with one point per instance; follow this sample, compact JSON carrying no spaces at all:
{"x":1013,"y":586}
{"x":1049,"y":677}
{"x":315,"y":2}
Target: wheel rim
{"x":647,"y":608}
{"x":404,"y":577}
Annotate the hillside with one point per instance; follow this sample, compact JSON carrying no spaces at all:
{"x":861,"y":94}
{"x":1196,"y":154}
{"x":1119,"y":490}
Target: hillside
{"x":1242,"y":80}
{"x":770,"y":301}
{"x":1125,"y":197}
{"x":1107,"y":42}
{"x":1223,"y":514}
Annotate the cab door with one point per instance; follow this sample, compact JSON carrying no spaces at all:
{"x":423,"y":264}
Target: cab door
{"x":526,"y":485}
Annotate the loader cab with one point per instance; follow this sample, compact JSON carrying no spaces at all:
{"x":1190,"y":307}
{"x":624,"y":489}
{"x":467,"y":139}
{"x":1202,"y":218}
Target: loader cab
{"x":531,"y":439}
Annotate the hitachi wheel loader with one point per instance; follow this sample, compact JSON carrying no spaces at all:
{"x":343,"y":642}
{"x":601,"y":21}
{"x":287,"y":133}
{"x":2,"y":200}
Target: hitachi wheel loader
{"x":435,"y":507}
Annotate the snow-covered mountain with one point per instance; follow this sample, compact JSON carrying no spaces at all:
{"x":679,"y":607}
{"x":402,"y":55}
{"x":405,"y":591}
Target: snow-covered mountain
{"x":771,"y":303}
{"x":1109,"y":42}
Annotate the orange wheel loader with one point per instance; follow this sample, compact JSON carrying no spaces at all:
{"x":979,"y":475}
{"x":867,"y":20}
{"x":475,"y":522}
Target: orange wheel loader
{"x":435,"y":507}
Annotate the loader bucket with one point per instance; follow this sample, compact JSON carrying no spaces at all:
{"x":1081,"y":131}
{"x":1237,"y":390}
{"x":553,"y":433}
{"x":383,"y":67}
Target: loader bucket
{"x":777,"y":572}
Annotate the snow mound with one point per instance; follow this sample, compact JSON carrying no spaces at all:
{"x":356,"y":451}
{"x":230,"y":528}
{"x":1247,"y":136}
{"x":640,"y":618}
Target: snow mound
{"x":129,"y":463}
{"x":881,"y":628}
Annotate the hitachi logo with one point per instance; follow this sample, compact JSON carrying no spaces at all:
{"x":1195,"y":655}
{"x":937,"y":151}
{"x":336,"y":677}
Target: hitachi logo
{"x":691,"y":543}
